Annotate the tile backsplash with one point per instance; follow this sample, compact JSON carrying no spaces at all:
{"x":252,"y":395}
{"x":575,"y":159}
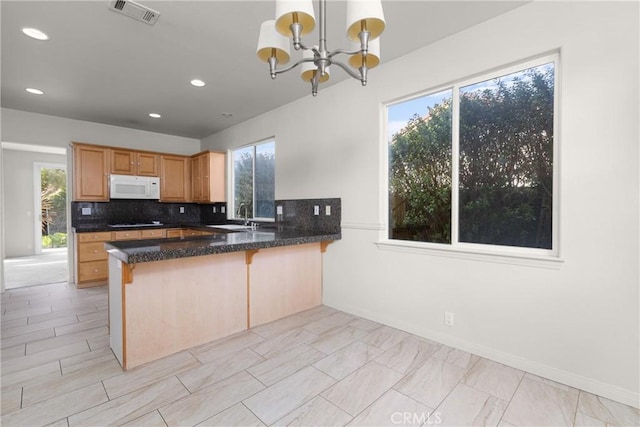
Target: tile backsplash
{"x":301,"y":214}
{"x":296,"y":214}
{"x":138,"y":211}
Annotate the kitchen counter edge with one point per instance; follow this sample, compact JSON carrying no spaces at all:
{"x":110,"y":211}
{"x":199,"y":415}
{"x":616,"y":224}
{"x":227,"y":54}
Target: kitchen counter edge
{"x":139,"y":251}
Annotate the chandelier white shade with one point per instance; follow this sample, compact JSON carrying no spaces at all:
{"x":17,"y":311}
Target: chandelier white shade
{"x":295,"y":18}
{"x":272,"y":43}
{"x":373,"y":56}
{"x":309,"y":69}
{"x":364,"y":15}
{"x":289,"y":12}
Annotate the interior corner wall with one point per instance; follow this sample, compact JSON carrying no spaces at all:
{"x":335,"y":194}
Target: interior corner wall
{"x":577,"y":324}
{"x":51,"y":131}
{"x":19,"y":212}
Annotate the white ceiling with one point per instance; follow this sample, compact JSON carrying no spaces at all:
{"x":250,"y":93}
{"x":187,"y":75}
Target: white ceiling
{"x":104,"y":67}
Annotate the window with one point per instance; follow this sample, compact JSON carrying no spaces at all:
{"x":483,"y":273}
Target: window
{"x":253,"y":181}
{"x":474,"y":165}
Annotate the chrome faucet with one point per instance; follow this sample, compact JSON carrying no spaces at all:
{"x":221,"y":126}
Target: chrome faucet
{"x":246,"y":219}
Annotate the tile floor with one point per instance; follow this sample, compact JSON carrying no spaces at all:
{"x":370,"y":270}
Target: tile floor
{"x":320,"y":367}
{"x":50,"y":266}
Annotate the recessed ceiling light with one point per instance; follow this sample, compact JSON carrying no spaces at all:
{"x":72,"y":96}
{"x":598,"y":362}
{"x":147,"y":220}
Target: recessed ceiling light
{"x":34,"y":91}
{"x":197,"y":82}
{"x":34,"y":33}
{"x":155,"y":115}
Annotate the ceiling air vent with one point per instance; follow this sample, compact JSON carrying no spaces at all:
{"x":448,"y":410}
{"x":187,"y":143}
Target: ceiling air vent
{"x":135,"y":10}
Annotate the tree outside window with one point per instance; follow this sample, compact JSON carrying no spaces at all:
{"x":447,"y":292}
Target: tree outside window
{"x":503,"y":174}
{"x":254,"y":181}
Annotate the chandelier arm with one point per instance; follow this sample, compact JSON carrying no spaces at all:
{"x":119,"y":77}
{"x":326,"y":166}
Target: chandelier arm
{"x":292,"y":66}
{"x":347,"y":69}
{"x":344,"y":51}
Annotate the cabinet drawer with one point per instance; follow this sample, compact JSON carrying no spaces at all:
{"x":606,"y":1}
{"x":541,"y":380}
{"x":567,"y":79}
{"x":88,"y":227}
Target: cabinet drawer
{"x":102,"y":236}
{"x":92,"y":251}
{"x":93,"y":270}
{"x":126,"y":235}
{"x":176,"y":232}
{"x":153,"y":234}
{"x":187,"y":233}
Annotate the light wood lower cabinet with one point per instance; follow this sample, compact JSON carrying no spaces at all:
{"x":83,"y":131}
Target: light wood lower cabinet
{"x":92,"y":258}
{"x":93,"y":268}
{"x":153,"y":234}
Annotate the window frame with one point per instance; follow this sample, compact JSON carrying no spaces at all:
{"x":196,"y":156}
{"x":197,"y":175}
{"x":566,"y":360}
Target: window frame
{"x":231,"y":208}
{"x":483,"y":252}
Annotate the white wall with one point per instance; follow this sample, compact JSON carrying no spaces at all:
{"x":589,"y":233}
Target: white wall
{"x":40,"y":129}
{"x":19,"y":212}
{"x":577,"y":323}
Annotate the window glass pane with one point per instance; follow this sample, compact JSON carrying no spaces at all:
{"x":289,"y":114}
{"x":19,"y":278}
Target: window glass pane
{"x":265,"y":180}
{"x":243,"y":182}
{"x":506,"y":159}
{"x":420,"y":169}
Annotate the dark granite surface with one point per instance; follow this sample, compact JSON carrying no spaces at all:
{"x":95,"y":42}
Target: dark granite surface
{"x":136,"y":251}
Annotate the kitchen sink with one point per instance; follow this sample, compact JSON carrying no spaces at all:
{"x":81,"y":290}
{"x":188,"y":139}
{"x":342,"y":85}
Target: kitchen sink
{"x":231,"y":226}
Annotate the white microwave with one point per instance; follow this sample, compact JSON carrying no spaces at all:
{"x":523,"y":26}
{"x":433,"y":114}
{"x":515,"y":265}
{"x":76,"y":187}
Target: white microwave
{"x":134,"y":187}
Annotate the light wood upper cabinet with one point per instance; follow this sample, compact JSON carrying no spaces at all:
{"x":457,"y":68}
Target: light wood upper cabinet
{"x":207,"y":177}
{"x":128,"y":162}
{"x":175,"y":178}
{"x":90,"y":173}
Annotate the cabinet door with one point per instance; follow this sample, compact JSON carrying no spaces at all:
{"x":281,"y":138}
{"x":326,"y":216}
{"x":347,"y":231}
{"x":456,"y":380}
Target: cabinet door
{"x":215,"y":177}
{"x":175,"y":182}
{"x":90,"y":173}
{"x":197,"y":194}
{"x":208,"y":178}
{"x":123,"y":162}
{"x":147,"y":164}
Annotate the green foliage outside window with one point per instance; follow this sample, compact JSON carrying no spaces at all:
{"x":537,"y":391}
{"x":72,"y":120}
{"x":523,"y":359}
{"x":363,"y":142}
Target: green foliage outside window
{"x":505,"y":163}
{"x":254,"y":181}
{"x":53,"y":200}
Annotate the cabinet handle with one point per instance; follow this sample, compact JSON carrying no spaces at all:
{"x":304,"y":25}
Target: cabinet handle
{"x":95,"y":251}
{"x":95,"y":270}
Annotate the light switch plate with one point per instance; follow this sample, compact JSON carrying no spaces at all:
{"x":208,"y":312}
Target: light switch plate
{"x":327,"y":210}
{"x":279,"y":210}
{"x":316,"y":210}
{"x":86,"y":211}
{"x":181,"y":209}
{"x":222,"y":209}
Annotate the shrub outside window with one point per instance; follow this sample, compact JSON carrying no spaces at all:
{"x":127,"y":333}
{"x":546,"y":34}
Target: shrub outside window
{"x":473,"y":164}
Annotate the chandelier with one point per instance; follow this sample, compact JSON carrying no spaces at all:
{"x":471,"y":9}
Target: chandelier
{"x":365,"y":23}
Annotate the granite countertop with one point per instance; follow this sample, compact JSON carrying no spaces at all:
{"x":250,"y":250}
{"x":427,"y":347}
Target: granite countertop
{"x":223,"y":241}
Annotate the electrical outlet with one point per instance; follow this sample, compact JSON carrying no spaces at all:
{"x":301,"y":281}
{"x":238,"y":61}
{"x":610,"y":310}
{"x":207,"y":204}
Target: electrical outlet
{"x":215,"y":210}
{"x":181,"y":209}
{"x":279,"y":210}
{"x":316,"y":210}
{"x":86,"y":211}
{"x":222,"y":209}
{"x":327,"y":210}
{"x":448,"y":318}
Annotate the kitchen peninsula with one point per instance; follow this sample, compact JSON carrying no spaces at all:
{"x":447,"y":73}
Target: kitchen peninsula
{"x":167,"y":295}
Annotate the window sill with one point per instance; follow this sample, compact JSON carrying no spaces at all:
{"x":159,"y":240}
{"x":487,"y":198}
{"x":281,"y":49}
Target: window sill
{"x":526,"y":260}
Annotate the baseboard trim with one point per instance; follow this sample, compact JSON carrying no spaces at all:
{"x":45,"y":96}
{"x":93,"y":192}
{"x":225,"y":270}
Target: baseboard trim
{"x":608,"y":391}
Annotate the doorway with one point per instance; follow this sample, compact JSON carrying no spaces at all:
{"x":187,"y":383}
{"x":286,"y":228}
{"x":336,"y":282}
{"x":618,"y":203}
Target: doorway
{"x":35,"y":215}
